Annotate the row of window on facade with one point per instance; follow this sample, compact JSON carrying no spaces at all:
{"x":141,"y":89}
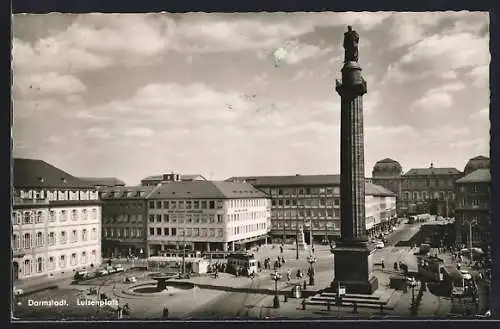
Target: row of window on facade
{"x":429,"y":182}
{"x":123,"y":218}
{"x":187,"y":232}
{"x":329,"y":190}
{"x":186,"y":204}
{"x":38,"y":217}
{"x":472,"y":203}
{"x":293,"y":224}
{"x":59,"y":195}
{"x":424,"y":195}
{"x":39,"y":266}
{"x":125,"y":232}
{"x":330,"y":213}
{"x":474,"y":188}
{"x":38,"y":240}
{"x":188,"y":218}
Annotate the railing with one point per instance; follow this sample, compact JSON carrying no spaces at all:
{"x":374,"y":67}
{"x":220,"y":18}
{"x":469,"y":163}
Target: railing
{"x":18,"y":201}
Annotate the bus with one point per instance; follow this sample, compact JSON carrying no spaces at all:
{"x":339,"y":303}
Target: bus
{"x":241,"y":263}
{"x":453,"y":281}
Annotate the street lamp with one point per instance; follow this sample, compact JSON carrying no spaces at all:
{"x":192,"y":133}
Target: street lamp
{"x":276,"y":277}
{"x":311,"y":259}
{"x":471,"y":223}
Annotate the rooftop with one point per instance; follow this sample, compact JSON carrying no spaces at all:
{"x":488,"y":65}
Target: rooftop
{"x":103,"y":181}
{"x":183,"y":177}
{"x":206,"y":190}
{"x":126,"y":192}
{"x":432,"y":171}
{"x":307,"y":180}
{"x":34,"y":173}
{"x":477,"y":176}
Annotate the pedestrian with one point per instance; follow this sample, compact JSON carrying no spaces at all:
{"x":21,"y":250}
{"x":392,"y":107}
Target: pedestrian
{"x":383,"y":265}
{"x":281,"y":249}
{"x":119,"y":312}
{"x":312,"y":250}
{"x":289,"y":275}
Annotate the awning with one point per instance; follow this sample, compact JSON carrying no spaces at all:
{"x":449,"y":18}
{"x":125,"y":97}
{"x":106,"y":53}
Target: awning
{"x":247,"y":240}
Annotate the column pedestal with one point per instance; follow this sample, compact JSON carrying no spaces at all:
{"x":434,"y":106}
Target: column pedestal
{"x":354,"y":268}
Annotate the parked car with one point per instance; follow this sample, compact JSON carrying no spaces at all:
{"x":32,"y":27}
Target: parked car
{"x":101,"y":272}
{"x":325,"y":242}
{"x":110,"y":269}
{"x":119,"y":268}
{"x":379,"y":245}
{"x":81,"y":275}
{"x":17,"y":291}
{"x":411,"y":282}
{"x":467,"y":276}
{"x":130,"y":279}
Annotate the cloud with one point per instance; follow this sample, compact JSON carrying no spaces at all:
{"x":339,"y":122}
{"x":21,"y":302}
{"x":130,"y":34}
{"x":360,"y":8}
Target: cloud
{"x":432,"y":102}
{"x":438,"y":54}
{"x":138,"y":132}
{"x":480,"y":75}
{"x":451,"y":75}
{"x":48,"y":84}
{"x":483,"y":114}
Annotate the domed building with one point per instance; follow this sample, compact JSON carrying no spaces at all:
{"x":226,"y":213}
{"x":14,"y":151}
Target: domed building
{"x":479,"y":162}
{"x":387,"y":173}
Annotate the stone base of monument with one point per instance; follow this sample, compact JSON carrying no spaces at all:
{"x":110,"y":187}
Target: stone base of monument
{"x":354,"y":268}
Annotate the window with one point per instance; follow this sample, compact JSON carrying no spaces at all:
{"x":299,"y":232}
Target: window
{"x":174,"y":231}
{"x":158,"y":204}
{"x":85,"y":214}
{"x":158,"y":218}
{"x":151,"y":218}
{"x":84,"y":258}
{"x":93,"y":234}
{"x":158,"y":231}
{"x":27,"y":267}
{"x":196,"y":204}
{"x":475,"y":188}
{"x":211,"y":205}
{"x":51,"y":239}
{"x":151,"y":231}
{"x":39,"y":264}
{"x":219,"y":218}
{"x":52,"y":216}
{"x":166,"y":231}
{"x":27,"y":241}
{"x":139,"y":232}
{"x":336,"y":202}
{"x":220,"y":204}
{"x":16,"y":244}
{"x":64,"y":215}
{"x":173,"y":204}
{"x":84,"y":235}
{"x":52,"y":263}
{"x":93,"y":256}
{"x":74,"y":236}
{"x":62,"y":261}
{"x":74,"y":215}
{"x":166,"y":205}
{"x":62,"y":238}
{"x":166,"y":218}
{"x":151,"y":204}
{"x":73,"y":259}
{"x":39,"y":217}
{"x":181,"y":204}
{"x":27,"y":218}
{"x":188,"y":204}
{"x":94,"y":214}
{"x":204,"y":204}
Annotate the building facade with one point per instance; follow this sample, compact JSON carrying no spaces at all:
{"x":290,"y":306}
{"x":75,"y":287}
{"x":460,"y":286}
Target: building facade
{"x":312,"y":202}
{"x":472,"y":214}
{"x":172,"y":177}
{"x":429,"y":190}
{"x":56,"y":221}
{"x":206,"y":216}
{"x":124,"y":221}
{"x":387,"y":173}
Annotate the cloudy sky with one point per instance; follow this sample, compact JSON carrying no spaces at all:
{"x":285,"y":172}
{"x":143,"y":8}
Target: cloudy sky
{"x":245,"y":94}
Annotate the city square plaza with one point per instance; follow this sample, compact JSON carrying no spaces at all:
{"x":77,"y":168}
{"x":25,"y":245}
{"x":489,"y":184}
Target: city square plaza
{"x":242,"y":297}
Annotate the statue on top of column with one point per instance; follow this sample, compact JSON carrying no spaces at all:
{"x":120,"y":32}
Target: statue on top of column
{"x":351,"y":40}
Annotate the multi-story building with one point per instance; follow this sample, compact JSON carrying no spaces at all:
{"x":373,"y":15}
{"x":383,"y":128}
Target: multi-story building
{"x":206,"y":216}
{"x":172,"y":177}
{"x":313,"y":203}
{"x":429,"y":190}
{"x":56,"y":221}
{"x":124,"y":220}
{"x":103,"y":182}
{"x":472,"y":214}
{"x":387,"y":173}
{"x":423,"y":190}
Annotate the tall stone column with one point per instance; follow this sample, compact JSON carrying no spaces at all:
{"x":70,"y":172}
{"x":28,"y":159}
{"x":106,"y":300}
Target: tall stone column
{"x":353,"y":254}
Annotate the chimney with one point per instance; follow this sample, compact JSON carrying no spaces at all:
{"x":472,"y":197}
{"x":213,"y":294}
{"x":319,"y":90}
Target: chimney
{"x":63,"y":180}
{"x":41,"y":179}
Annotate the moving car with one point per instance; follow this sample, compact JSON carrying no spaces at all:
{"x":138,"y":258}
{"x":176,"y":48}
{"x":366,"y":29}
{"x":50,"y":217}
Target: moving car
{"x":17,"y":291}
{"x":466,"y":274}
{"x":81,"y":275}
{"x":379,"y":245}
